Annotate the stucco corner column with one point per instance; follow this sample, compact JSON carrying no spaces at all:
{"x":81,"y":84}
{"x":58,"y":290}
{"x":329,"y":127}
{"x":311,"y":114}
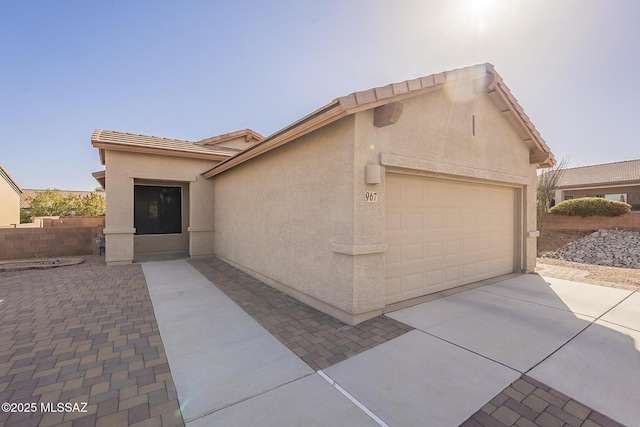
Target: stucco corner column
{"x":531,"y":248}
{"x":201,"y":241}
{"x":119,"y":245}
{"x":368,"y":279}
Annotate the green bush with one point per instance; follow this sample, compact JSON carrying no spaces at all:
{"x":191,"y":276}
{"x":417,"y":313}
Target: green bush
{"x":589,"y":206}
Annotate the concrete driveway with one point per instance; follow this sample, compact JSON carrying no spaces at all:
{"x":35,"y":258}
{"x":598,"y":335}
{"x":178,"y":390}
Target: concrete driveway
{"x":582,"y":340}
{"x":527,"y":349}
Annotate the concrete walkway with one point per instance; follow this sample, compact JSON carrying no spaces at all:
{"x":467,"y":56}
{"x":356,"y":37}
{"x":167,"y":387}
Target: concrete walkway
{"x":525,"y":350}
{"x":229,"y":370}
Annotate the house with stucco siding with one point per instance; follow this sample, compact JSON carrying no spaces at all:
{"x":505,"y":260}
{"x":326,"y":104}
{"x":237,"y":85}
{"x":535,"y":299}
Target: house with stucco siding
{"x":380,"y":197}
{"x":10,"y":193}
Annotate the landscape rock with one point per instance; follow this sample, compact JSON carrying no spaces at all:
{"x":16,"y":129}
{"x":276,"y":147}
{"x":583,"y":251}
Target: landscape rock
{"x":613,"y":248}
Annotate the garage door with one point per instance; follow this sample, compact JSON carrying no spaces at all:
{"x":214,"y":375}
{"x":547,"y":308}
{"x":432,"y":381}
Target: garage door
{"x":442,"y":234}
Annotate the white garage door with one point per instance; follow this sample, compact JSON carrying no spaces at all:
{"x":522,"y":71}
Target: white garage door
{"x":442,"y":234}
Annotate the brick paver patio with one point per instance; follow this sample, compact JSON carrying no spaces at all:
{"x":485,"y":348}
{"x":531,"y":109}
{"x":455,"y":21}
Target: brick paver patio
{"x":529,"y":403}
{"x":84,"y":333}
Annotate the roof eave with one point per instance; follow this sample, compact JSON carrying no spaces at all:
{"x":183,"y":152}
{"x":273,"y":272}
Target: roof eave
{"x":483,"y":77}
{"x":11,"y":181}
{"x":248,"y":134}
{"x":100,"y":176}
{"x":102,"y":146}
{"x":627,"y":183}
{"x":540,"y":154}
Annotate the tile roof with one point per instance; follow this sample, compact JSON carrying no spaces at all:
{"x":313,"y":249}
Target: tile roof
{"x":28,"y":194}
{"x":483,"y":77}
{"x":248,"y":135}
{"x":4,"y":174}
{"x":410,"y":87}
{"x":607,"y":173}
{"x":134,"y":142}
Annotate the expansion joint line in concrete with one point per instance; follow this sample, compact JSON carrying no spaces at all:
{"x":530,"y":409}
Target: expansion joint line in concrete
{"x":582,"y":330}
{"x":355,"y":401}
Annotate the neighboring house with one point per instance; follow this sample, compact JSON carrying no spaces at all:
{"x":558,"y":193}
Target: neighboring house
{"x":28,"y":195}
{"x":10,"y":193}
{"x":378,"y":197}
{"x":616,"y":181}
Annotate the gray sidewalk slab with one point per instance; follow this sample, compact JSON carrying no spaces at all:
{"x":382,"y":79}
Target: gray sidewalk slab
{"x":580,"y":298}
{"x":212,"y":379}
{"x":601,"y":369}
{"x":420,"y":380}
{"x":310,"y":401}
{"x":218,"y":356}
{"x":626,"y":314}
{"x":511,"y":331}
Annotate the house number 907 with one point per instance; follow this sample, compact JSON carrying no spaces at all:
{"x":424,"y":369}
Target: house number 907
{"x":370,"y":196}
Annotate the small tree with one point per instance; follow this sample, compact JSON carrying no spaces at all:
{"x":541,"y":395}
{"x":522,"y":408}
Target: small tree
{"x":53,"y":203}
{"x":25,"y":216}
{"x":90,"y":205}
{"x":49,"y":202}
{"x":548,"y":181}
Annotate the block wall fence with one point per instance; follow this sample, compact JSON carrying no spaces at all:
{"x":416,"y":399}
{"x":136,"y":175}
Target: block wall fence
{"x":67,"y":236}
{"x":628,"y":221}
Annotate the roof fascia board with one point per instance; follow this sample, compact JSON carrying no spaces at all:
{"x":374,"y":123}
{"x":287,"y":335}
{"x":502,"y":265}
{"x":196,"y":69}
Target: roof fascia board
{"x":599,"y":186}
{"x":501,"y":99}
{"x":14,"y":185}
{"x":158,"y":151}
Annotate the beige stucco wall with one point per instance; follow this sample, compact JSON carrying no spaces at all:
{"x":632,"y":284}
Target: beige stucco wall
{"x":297,"y":219}
{"x":278,"y":217}
{"x":123,"y":170}
{"x":9,"y":204}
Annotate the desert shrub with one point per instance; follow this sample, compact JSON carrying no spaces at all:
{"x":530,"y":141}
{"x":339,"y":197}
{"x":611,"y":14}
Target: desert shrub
{"x":589,"y":206}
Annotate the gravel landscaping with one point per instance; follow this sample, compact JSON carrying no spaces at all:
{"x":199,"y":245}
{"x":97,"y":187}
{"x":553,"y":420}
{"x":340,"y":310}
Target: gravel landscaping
{"x":613,"y":248}
{"x":554,"y":241}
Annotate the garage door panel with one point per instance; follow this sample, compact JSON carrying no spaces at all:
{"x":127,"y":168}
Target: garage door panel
{"x":435,"y":220}
{"x":469,"y":270}
{"x":435,"y":249}
{"x":413,"y":222}
{"x":452,"y":275}
{"x":469,"y":245}
{"x":414,"y":252}
{"x":413,"y":282}
{"x":453,"y":247}
{"x":393,"y":287}
{"x":393,"y":222}
{"x":393,"y":255}
{"x":453,"y":219}
{"x":449,"y":233}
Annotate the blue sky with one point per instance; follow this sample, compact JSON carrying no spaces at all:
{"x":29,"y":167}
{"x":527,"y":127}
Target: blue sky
{"x":195,"y":69}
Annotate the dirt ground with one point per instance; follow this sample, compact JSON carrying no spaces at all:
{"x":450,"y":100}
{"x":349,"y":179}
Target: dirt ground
{"x":551,"y":241}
